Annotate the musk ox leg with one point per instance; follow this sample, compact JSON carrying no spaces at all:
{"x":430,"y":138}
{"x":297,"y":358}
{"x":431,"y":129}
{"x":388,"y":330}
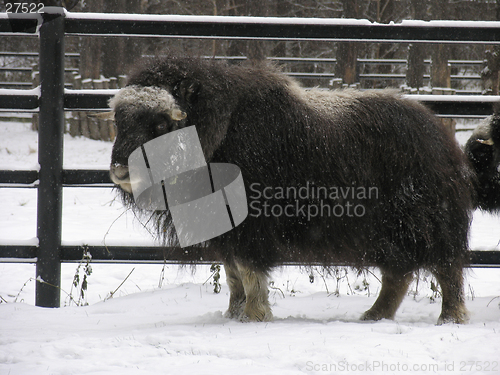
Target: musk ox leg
{"x":257,"y":308}
{"x":237,"y":296}
{"x":453,"y":308}
{"x":394,"y":287}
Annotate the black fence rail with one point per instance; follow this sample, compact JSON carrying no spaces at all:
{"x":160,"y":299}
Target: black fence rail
{"x":50,"y":100}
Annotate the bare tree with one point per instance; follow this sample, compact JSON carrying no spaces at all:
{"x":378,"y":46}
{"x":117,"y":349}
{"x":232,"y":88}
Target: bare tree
{"x":256,"y":49}
{"x":90,"y":52}
{"x":491,"y":72}
{"x":416,"y":51}
{"x":347,"y":52}
{"x":118,"y":52}
{"x":440,"y":70}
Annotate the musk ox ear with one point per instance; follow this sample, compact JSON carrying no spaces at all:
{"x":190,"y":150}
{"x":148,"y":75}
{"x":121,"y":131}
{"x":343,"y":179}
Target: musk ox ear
{"x":188,"y":90}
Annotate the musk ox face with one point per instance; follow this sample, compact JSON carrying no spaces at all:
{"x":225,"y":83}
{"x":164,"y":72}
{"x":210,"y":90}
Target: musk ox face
{"x":141,"y":114}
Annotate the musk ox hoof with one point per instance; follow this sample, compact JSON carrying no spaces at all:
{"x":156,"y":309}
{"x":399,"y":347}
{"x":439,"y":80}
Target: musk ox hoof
{"x":374,"y":316}
{"x":236,"y":308}
{"x":229,"y":315}
{"x":266,"y":317}
{"x":461,"y":317}
{"x":232,"y":314}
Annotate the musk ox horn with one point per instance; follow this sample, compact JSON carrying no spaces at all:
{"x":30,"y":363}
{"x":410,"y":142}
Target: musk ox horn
{"x":178,"y":115}
{"x":488,"y":142}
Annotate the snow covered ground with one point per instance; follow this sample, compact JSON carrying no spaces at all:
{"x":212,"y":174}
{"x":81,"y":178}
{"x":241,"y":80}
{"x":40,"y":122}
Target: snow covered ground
{"x":167,"y":320}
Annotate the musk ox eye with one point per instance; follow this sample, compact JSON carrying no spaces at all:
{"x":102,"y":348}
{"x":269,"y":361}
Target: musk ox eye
{"x":161,"y":127}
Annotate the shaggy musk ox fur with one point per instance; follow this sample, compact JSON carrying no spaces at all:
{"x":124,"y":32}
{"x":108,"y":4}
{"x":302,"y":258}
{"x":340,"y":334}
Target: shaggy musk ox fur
{"x":483,"y":150}
{"x":406,"y":182}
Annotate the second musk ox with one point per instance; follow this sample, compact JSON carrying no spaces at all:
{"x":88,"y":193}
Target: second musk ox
{"x":331,"y":177}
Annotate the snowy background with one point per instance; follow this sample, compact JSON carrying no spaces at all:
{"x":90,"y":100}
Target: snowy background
{"x":167,"y":320}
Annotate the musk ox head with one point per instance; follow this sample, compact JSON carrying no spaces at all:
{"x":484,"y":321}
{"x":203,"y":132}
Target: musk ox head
{"x":141,"y":114}
{"x":483,"y":151}
{"x":167,"y":94}
{"x":483,"y":147}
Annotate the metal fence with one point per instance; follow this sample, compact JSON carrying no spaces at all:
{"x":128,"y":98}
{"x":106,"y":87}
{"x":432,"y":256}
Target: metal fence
{"x":51,"y":99}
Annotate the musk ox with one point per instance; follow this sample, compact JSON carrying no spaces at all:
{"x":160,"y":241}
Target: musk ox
{"x":483,"y":150}
{"x":332,"y":177}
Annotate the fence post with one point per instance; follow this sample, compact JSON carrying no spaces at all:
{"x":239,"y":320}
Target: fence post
{"x":491,"y":72}
{"x":50,"y":158}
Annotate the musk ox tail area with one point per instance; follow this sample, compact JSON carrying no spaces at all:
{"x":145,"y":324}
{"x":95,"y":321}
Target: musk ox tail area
{"x":483,"y":151}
